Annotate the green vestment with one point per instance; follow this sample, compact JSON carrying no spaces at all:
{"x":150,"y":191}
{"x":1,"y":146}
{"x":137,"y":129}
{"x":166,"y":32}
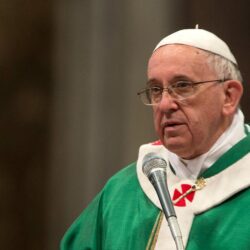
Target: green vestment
{"x":122,"y":217}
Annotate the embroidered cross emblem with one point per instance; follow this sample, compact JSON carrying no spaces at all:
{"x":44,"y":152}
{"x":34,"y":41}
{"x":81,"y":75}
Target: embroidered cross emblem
{"x":187,"y":192}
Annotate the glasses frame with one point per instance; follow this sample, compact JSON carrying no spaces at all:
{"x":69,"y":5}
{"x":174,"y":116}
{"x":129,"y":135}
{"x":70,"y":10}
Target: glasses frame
{"x":170,"y":90}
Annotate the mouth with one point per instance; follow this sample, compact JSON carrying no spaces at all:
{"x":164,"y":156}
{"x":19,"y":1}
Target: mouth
{"x":170,"y":126}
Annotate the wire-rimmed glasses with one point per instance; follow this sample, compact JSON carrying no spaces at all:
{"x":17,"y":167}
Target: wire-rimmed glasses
{"x":179,"y":91}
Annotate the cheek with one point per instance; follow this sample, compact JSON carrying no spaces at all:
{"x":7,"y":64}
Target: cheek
{"x":157,"y":116}
{"x":196,"y":122}
{"x":202,"y":124}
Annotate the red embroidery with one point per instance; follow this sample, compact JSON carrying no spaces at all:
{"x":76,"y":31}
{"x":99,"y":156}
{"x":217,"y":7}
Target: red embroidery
{"x":156,"y":143}
{"x":177,"y":194}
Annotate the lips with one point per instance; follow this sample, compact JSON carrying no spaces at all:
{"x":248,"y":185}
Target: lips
{"x":171,"y":126}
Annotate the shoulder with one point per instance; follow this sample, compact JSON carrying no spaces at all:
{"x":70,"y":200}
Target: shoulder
{"x":123,"y":181}
{"x":127,"y":173}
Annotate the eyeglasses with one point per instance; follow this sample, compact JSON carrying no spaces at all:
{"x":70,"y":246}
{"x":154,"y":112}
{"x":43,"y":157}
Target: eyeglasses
{"x":179,"y":91}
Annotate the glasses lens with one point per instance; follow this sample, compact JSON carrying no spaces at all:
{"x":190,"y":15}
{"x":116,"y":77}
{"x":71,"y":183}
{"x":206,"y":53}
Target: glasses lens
{"x":181,"y":90}
{"x":145,"y":98}
{"x":178,"y":91}
{"x":155,"y":95}
{"x":151,"y":96}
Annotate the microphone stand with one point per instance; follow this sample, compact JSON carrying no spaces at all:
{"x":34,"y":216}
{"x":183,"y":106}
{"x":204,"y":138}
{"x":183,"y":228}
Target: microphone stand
{"x":154,"y":168}
{"x":168,"y":209}
{"x":176,"y":232}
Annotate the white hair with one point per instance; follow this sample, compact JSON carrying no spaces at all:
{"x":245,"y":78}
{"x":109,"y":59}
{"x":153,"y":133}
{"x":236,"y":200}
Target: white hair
{"x":224,"y":68}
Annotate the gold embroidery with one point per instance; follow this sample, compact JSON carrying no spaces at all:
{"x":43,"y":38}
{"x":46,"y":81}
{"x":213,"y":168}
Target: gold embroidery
{"x":155,"y":232}
{"x":199,"y":184}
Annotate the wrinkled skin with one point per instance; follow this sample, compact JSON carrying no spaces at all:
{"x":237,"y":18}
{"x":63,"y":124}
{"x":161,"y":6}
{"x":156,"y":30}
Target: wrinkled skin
{"x":190,"y":127}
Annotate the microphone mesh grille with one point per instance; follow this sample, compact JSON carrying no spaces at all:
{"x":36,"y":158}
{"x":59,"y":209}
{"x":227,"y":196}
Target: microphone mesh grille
{"x":152,"y":161}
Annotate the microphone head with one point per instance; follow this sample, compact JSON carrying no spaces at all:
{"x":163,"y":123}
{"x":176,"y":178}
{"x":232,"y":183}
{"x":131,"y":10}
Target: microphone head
{"x":152,"y":162}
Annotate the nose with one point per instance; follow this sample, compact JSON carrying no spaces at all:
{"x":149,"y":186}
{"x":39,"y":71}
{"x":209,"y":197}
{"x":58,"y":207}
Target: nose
{"x":167,"y":102}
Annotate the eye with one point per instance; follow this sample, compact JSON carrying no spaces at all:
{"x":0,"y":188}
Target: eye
{"x":155,"y":90}
{"x":181,"y":85}
{"x":182,"y":88}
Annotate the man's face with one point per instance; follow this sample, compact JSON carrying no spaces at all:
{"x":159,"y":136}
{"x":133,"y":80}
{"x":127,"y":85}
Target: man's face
{"x":189,"y":127}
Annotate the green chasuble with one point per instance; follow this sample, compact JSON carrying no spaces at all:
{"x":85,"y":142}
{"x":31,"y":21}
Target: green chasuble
{"x":126,"y":215}
{"x":120,"y":217}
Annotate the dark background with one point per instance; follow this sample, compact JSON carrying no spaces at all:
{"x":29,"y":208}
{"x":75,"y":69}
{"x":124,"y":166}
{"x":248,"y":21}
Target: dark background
{"x":70,"y":117}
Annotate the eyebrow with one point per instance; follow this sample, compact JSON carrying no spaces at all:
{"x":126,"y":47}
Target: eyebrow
{"x":151,"y":82}
{"x":173,"y":80}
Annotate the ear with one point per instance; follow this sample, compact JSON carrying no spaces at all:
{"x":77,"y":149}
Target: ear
{"x":233,"y":92}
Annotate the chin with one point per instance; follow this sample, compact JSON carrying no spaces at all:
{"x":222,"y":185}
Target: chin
{"x":179,"y":148}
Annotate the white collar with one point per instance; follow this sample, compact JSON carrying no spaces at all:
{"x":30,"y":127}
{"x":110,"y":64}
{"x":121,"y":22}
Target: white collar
{"x":218,"y":187}
{"x":191,"y":169}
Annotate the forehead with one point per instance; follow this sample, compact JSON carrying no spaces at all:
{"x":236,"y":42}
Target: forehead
{"x":179,"y":60}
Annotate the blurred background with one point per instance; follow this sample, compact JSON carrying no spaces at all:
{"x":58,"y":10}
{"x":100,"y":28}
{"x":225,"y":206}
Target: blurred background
{"x":70,"y":117}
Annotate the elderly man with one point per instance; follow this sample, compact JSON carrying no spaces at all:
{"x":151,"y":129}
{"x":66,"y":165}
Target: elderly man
{"x":194,"y":87}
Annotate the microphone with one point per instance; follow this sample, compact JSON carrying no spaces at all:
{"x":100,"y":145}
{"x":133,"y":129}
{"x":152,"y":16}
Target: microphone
{"x":154,"y":167}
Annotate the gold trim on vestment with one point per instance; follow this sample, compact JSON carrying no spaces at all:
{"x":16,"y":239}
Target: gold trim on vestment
{"x":155,"y":232}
